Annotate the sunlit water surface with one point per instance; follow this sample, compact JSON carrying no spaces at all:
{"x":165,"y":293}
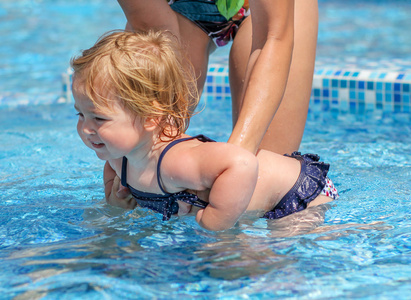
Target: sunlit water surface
{"x":59,"y":240}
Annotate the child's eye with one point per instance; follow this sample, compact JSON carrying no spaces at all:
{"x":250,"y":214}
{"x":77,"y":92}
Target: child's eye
{"x":79,"y":114}
{"x":100,"y":119}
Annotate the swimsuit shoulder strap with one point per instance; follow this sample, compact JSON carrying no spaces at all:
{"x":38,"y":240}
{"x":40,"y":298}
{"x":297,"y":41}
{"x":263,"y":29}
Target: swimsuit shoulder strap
{"x":124,"y":172}
{"x":200,"y":137}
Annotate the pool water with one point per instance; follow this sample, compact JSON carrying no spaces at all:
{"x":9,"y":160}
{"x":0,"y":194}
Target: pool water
{"x":59,"y":240}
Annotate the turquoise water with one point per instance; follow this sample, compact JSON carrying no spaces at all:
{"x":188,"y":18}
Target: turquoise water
{"x":59,"y":240}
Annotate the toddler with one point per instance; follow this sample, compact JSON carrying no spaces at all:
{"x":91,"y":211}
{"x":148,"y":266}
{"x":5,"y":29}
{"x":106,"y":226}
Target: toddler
{"x":135,"y":96}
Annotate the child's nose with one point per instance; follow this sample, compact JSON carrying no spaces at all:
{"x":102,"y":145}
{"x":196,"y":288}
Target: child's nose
{"x":87,"y":127}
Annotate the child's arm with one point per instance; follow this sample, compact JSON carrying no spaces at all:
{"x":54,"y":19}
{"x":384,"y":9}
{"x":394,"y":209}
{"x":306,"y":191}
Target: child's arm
{"x":228,"y":170}
{"x":116,"y":194}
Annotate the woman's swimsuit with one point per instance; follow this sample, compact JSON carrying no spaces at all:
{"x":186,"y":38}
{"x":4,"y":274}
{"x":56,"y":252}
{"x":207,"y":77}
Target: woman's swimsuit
{"x":220,"y":26}
{"x":311,"y":182}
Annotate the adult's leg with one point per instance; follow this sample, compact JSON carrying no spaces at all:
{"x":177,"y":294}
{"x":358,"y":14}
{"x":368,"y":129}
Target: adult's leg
{"x":287,"y":127}
{"x":286,"y":130}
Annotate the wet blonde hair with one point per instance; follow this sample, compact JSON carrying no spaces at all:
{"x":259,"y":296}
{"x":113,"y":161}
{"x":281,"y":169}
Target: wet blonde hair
{"x":146,"y":71}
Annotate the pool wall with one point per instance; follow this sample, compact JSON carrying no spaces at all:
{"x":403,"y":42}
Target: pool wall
{"x":339,"y":90}
{"x":342,"y":90}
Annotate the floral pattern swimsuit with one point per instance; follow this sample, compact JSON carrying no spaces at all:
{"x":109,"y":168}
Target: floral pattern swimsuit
{"x":215,"y":17}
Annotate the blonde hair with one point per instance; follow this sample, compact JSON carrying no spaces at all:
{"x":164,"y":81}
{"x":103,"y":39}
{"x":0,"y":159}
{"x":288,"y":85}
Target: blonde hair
{"x":148,"y":73}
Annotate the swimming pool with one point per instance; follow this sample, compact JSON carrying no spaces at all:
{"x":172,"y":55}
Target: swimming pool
{"x":58,"y":239}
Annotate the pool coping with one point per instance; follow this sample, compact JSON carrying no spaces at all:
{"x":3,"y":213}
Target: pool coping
{"x":336,"y":89}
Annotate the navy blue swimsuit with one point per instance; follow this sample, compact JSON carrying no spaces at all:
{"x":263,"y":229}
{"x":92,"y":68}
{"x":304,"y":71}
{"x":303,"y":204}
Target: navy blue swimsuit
{"x":164,"y":203}
{"x":308,"y":186}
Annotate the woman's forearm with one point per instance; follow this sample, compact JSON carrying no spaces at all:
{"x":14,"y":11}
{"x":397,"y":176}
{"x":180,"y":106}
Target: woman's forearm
{"x":267,"y":70}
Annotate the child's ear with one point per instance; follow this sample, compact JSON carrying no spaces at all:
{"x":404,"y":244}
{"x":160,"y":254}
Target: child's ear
{"x":150,"y":124}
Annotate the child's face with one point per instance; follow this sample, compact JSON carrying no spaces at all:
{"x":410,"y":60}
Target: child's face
{"x":111,"y":134}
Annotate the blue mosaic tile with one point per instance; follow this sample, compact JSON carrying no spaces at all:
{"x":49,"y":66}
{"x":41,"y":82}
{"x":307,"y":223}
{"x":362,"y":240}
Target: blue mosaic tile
{"x":326,"y":105}
{"x":361,"y":85}
{"x":353,"y":106}
{"x":353,"y":83}
{"x":352,"y":95}
{"x":361,"y":96}
{"x":361,"y":107}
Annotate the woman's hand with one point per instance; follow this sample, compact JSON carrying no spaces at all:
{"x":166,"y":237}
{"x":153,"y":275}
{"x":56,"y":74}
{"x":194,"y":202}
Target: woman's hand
{"x":120,"y":196}
{"x":116,"y":194}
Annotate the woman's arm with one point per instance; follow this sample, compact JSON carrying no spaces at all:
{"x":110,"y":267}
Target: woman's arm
{"x":267,"y":70}
{"x":116,"y":194}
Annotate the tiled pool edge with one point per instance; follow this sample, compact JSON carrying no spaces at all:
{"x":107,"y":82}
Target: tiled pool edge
{"x":340,"y":90}
{"x":359,"y":91}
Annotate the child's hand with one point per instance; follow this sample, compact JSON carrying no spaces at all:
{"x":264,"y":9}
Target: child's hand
{"x":120,"y":196}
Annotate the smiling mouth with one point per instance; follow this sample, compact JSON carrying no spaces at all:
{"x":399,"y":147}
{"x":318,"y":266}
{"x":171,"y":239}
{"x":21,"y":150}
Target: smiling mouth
{"x":97,"y":145}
